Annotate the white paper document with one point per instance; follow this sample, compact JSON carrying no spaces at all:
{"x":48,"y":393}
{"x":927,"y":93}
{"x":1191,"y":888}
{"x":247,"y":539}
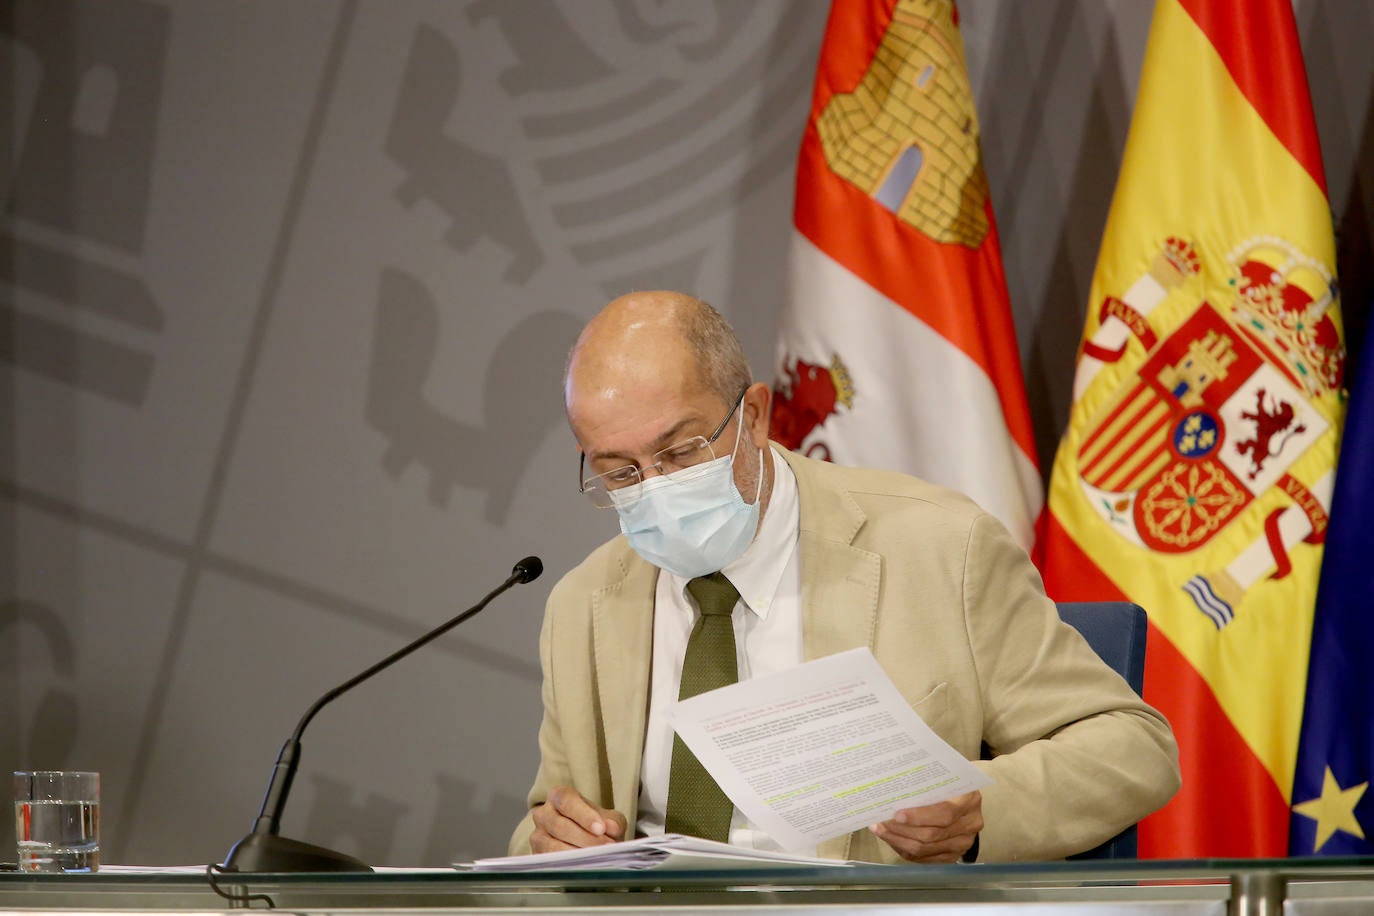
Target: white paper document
{"x":822,"y":749}
{"x":108,"y":869}
{"x":667,"y":851}
{"x":200,"y":870}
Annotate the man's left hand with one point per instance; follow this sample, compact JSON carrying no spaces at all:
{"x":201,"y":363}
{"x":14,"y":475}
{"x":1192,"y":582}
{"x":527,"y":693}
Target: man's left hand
{"x":934,"y":833}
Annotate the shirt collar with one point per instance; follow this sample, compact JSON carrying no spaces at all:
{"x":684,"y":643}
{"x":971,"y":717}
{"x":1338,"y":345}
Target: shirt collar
{"x":758,"y":571}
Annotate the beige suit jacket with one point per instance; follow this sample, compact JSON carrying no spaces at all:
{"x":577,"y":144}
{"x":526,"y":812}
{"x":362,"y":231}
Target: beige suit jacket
{"x":954,"y":612}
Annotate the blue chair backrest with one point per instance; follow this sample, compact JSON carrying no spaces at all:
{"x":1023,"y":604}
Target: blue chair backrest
{"x":1116,"y":630}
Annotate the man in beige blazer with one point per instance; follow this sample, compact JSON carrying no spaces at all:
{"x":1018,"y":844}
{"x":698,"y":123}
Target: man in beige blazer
{"x":951,"y":607}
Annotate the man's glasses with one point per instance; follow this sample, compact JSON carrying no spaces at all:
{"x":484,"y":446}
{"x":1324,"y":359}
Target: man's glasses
{"x":677,"y":463}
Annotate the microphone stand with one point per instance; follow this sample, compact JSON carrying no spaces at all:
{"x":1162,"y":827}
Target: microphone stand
{"x":264,"y":849}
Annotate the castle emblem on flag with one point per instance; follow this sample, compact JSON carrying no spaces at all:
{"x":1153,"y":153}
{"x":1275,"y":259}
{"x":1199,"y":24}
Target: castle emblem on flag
{"x":804,"y":398}
{"x":908,"y":134}
{"x":1220,"y":410}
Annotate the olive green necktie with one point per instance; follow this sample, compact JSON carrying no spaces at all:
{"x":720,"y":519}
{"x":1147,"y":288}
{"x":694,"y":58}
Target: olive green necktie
{"x":696,"y":805}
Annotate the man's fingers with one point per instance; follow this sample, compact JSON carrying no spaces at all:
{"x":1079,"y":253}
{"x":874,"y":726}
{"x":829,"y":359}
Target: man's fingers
{"x":961,"y":814}
{"x":568,"y":802}
{"x":927,"y":831}
{"x":947,"y":813}
{"x":597,"y":821}
{"x":926,"y":848}
{"x":568,"y":820}
{"x":934,"y":833}
{"x":565,"y":830}
{"x":928,"y":835}
{"x":615,"y":824}
{"x":542,"y":842}
{"x":924,"y":840}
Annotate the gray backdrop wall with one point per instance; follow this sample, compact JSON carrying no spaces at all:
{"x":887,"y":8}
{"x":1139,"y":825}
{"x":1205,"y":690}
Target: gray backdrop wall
{"x":286,"y":293}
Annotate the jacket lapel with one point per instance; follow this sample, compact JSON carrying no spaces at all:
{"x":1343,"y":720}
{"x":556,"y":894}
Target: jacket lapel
{"x":622,"y":634}
{"x":840,"y":582}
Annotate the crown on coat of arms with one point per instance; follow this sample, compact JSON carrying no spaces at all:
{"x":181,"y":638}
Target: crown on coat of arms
{"x":1176,"y":261}
{"x":1282,"y":300}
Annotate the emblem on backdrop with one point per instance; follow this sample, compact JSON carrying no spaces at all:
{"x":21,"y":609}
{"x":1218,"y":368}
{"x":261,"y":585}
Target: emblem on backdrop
{"x":95,"y":101}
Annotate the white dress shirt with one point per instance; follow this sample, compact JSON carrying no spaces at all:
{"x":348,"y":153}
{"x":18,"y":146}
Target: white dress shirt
{"x":768,"y":639}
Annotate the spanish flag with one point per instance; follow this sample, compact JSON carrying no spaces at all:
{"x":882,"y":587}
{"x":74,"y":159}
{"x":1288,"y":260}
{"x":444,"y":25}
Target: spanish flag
{"x":897,"y":347}
{"x":1196,"y":474}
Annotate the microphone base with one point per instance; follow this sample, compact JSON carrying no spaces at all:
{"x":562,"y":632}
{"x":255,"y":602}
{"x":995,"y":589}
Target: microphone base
{"x":268,"y":852}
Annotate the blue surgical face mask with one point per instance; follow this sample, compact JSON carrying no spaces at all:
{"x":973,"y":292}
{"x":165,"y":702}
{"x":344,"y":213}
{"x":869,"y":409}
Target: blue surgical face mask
{"x":694,"y":526}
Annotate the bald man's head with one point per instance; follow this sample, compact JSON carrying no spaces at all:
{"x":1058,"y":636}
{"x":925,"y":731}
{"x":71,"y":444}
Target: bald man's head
{"x":660,"y":334}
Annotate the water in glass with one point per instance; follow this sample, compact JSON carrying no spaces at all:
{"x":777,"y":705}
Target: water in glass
{"x":70,"y":832}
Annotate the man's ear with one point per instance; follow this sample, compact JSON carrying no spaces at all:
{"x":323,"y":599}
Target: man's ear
{"x":757,"y":407}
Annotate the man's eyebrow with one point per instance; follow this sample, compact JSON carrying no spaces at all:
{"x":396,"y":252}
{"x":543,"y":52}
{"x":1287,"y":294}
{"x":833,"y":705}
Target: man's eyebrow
{"x":668,"y":437}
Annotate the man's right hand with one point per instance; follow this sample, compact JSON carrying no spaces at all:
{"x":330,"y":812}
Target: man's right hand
{"x":568,"y":821}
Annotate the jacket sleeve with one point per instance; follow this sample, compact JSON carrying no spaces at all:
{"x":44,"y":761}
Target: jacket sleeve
{"x":1078,"y":756}
{"x":553,"y":767}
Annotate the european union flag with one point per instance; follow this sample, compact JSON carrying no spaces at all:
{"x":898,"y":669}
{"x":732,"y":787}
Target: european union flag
{"x":1333,"y":809}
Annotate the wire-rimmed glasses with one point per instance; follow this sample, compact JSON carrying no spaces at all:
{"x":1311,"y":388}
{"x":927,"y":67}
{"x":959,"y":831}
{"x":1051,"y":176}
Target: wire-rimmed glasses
{"x":676,"y":462}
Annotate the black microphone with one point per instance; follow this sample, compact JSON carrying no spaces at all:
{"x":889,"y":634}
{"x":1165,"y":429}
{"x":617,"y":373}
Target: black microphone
{"x":264,"y":849}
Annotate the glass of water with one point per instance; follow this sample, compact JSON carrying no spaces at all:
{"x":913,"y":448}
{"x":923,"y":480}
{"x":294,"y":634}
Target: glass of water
{"x":57,"y":820}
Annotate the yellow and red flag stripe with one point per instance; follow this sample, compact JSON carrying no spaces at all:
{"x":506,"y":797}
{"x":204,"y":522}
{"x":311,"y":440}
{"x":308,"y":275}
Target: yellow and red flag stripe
{"x":897,"y":347}
{"x":1196,"y":474}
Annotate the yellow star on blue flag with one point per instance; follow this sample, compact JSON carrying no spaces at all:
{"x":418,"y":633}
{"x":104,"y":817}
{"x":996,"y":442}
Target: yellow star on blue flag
{"x":1334,"y":809}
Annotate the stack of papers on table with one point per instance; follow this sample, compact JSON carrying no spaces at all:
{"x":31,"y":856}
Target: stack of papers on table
{"x":671,"y":850}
